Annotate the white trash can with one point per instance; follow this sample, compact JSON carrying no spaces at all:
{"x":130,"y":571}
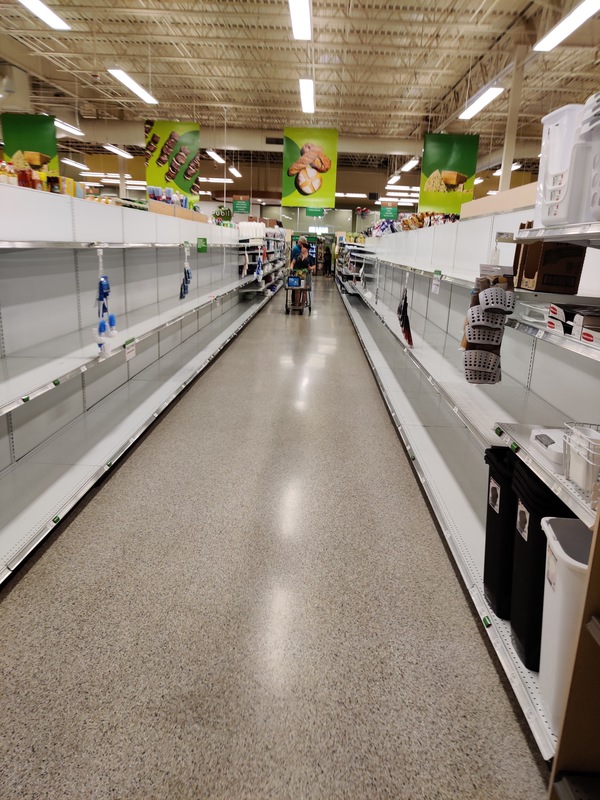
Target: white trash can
{"x":567,"y":556}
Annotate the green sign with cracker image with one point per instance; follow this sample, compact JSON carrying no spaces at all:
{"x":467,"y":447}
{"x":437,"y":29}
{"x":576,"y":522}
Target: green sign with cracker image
{"x":309,"y":167}
{"x":448,"y":172}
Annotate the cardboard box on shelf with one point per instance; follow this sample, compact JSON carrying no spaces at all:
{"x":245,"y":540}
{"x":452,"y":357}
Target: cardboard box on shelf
{"x":161,"y":208}
{"x":551,"y":267}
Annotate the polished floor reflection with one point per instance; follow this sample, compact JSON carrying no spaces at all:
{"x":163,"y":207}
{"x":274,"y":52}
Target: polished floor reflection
{"x":258,"y":605}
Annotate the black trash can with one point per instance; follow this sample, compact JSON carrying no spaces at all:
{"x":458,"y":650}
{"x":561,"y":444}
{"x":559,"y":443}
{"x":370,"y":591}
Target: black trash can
{"x":534,"y":501}
{"x":499,"y":530}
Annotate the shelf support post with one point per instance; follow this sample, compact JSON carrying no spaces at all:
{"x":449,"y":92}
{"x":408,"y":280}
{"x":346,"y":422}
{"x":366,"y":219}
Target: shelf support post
{"x":514,"y":103}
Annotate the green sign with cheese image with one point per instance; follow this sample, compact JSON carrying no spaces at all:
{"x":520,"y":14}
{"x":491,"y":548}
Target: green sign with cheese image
{"x":448,"y":172}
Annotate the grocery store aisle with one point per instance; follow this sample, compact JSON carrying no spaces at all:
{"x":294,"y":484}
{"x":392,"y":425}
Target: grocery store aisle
{"x":257,"y":605}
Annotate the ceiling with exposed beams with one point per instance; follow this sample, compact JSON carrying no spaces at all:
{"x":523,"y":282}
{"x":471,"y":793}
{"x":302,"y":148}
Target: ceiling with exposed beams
{"x":382,"y":70}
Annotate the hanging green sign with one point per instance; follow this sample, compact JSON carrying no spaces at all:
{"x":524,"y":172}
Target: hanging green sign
{"x":202,"y":245}
{"x":241,"y":205}
{"x":173,"y":157}
{"x":222,"y":212}
{"x":30,"y":142}
{"x":309,"y":167}
{"x":315,"y":212}
{"x":388,"y":209}
{"x":448,"y":172}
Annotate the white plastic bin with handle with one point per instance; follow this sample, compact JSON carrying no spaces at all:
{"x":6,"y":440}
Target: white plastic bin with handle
{"x":567,"y":556}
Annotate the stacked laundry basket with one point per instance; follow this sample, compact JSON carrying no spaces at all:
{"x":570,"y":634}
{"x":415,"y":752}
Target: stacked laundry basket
{"x":484,"y":330}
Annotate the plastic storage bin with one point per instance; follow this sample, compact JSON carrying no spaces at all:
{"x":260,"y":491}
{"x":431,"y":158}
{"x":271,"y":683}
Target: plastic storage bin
{"x":568,"y":550}
{"x":558,"y":193}
{"x":534,"y":501}
{"x":499,"y":530}
{"x":582,"y":454}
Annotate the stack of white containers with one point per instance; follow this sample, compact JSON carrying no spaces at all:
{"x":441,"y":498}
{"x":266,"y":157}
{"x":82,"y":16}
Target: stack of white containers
{"x":252,"y":230}
{"x":568,"y":189}
{"x":582,"y":454}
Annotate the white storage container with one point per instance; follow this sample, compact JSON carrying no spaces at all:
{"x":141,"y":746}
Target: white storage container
{"x":557,"y":191}
{"x":582,"y":455}
{"x":567,"y":556}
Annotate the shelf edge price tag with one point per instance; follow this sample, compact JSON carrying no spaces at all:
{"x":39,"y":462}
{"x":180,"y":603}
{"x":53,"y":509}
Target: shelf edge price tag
{"x":202,"y":244}
{"x":129,"y":347}
{"x":435,"y":283}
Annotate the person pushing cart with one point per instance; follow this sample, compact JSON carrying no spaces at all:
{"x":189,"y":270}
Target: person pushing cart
{"x":299,"y":282}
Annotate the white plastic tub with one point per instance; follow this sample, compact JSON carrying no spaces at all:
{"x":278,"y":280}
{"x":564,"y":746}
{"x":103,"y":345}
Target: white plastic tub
{"x":567,"y":555}
{"x":558,"y":193}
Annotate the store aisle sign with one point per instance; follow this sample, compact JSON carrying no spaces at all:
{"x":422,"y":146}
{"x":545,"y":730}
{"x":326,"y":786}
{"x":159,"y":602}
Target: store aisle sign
{"x":309,"y":167}
{"x":315,"y":212}
{"x":30,"y":142}
{"x":448,"y":172}
{"x":202,"y":245}
{"x":173,"y":157}
{"x":388,"y":209}
{"x":241,"y":204}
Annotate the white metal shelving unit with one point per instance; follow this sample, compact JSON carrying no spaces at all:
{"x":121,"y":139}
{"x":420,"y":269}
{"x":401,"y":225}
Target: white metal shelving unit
{"x":446,"y":423}
{"x":66,"y":415}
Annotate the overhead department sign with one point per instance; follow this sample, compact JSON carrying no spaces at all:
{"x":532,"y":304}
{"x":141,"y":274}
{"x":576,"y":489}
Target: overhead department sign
{"x":309,"y":167}
{"x":448,"y":172}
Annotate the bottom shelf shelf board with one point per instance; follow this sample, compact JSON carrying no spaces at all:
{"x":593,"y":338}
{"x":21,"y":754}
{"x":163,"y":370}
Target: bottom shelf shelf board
{"x":37,"y":491}
{"x":451,"y":469}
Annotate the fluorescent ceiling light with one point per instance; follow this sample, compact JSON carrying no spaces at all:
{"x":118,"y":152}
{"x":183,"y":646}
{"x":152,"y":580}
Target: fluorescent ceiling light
{"x":513,"y":167}
{"x":117,"y":151}
{"x":215,"y":156}
{"x":492,"y":192}
{"x":301,"y":24}
{"x":307,"y":95}
{"x":394,"y":179}
{"x":478,"y":180}
{"x":481,"y":102}
{"x":220,"y":180}
{"x":45,"y":14}
{"x":406,"y":202}
{"x":133,"y":86}
{"x":409,"y":165}
{"x":209,"y":193}
{"x":77,"y":164}
{"x":340,"y":194}
{"x":392,"y":188}
{"x":235,"y":172}
{"x":111,"y":181}
{"x":356,"y":194}
{"x":567,"y":25}
{"x":103,"y":175}
{"x":136,"y":183}
{"x":64,"y":126}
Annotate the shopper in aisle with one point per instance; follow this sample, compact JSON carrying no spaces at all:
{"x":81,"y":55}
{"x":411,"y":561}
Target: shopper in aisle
{"x":327,"y":262}
{"x":297,"y":249}
{"x":305,"y":265}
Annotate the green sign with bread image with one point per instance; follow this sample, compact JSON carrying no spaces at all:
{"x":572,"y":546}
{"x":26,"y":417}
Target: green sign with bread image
{"x":448,"y":172}
{"x":309,"y":167}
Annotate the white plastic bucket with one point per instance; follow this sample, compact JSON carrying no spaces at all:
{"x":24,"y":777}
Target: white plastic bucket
{"x":567,"y":556}
{"x":559,"y":137}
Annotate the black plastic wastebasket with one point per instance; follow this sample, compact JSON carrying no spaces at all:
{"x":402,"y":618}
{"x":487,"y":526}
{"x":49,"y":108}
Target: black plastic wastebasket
{"x":534,"y":501}
{"x":499,"y":530}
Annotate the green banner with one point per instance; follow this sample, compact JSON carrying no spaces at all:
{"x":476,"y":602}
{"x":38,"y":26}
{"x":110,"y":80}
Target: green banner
{"x":315,"y":212}
{"x":309,"y":167}
{"x":241,"y":205}
{"x":173,"y":157}
{"x":448,"y":172}
{"x":30,"y":142}
{"x":388,"y":209}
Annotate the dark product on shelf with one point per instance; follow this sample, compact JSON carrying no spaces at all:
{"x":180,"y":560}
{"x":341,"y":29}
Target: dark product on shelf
{"x":499,"y":530}
{"x":535,"y":500}
{"x":403,"y":319}
{"x":550,"y":267}
{"x":192,"y":167}
{"x":167,"y":148}
{"x":151,"y":146}
{"x":177,"y":163}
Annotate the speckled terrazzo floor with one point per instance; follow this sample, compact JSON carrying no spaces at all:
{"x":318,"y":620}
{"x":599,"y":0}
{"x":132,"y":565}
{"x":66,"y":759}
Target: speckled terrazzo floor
{"x":257,"y":605}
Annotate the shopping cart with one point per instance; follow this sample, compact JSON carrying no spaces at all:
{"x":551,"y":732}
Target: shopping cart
{"x":298,"y":292}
